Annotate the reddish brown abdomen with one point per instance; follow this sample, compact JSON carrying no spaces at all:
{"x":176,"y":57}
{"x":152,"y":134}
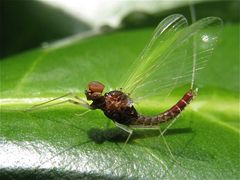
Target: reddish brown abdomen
{"x":169,"y":114}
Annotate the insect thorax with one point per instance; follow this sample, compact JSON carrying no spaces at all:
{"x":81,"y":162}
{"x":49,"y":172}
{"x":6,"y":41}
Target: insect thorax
{"x":117,"y":106}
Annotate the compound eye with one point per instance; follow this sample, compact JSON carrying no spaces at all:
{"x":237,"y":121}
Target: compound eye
{"x":96,"y":86}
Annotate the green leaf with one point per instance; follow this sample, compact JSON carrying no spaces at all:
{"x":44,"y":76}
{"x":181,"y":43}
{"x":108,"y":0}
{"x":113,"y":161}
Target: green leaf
{"x":55,"y":142}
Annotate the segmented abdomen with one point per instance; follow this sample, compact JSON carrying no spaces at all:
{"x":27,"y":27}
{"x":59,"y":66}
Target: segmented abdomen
{"x":169,"y":114}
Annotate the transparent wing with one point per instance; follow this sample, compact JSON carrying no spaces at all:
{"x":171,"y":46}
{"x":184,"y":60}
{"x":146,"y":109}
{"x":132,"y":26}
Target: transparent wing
{"x":173,"y":57}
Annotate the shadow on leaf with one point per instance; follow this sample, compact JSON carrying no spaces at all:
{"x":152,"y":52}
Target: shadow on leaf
{"x":117,"y":135}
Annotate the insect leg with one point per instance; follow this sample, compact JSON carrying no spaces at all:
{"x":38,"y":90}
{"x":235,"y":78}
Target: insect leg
{"x":43,"y":105}
{"x":38,"y":105}
{"x":125,"y":128}
{"x":165,"y":142}
{"x":173,"y":121}
{"x":85,"y":112}
{"x":80,"y":99}
{"x":62,"y":102}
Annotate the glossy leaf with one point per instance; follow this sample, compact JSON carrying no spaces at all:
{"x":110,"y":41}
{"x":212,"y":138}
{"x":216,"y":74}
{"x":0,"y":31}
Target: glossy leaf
{"x":55,"y":142}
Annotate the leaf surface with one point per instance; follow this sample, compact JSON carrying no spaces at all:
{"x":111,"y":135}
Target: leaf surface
{"x":56,"y":142}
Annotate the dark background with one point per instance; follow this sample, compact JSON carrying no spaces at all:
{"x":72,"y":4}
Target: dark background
{"x":28,"y":24}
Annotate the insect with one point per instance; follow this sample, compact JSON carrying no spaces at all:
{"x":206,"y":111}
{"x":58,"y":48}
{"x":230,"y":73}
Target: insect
{"x":173,"y":58}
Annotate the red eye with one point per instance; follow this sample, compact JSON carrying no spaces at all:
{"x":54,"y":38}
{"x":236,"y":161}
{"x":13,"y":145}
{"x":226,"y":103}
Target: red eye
{"x":96,"y":86}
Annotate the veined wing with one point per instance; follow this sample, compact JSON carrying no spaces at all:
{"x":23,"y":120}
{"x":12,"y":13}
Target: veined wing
{"x":173,"y":57}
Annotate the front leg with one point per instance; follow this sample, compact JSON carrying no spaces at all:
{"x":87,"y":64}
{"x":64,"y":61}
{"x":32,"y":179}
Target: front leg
{"x":74,"y":100}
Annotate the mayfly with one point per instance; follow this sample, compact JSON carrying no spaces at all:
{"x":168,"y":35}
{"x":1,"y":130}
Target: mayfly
{"x":170,"y":60}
